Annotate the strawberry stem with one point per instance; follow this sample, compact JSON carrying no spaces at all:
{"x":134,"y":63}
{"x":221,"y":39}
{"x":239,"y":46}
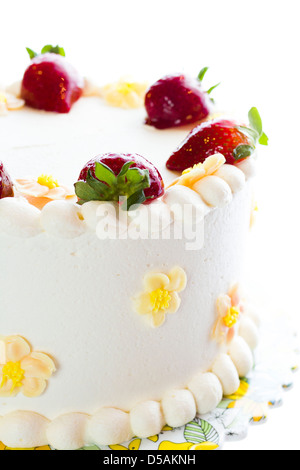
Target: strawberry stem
{"x":106,"y":186}
{"x":49,"y":48}
{"x":201,"y":76}
{"x":54,"y":50}
{"x":255,"y":131}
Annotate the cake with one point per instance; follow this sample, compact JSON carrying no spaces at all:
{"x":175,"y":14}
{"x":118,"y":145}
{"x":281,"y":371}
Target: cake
{"x":113,"y":326}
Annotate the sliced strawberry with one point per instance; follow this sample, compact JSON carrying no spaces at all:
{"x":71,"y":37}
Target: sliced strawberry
{"x":109,"y":177}
{"x":50,"y":82}
{"x":176,"y":100}
{"x":6,"y":186}
{"x":234,"y":141}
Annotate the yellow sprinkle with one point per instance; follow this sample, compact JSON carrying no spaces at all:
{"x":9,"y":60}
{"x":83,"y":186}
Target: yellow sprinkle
{"x":12,"y":371}
{"x":48,"y":181}
{"x":232,"y":317}
{"x":160,"y":300}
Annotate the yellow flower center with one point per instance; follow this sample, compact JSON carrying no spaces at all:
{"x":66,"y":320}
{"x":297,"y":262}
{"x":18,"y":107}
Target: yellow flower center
{"x":195,"y":167}
{"x":3,"y":98}
{"x":12,"y":371}
{"x":232,"y":317}
{"x":160,"y":300}
{"x":48,"y":181}
{"x":125,"y":88}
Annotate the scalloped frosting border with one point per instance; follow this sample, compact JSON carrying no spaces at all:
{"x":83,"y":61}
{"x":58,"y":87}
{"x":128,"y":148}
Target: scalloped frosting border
{"x":111,"y":426}
{"x":65,"y":219}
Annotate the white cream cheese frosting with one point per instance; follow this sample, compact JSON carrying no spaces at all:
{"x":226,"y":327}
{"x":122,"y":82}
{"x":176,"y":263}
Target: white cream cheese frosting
{"x":81,"y":313}
{"x":69,"y":289}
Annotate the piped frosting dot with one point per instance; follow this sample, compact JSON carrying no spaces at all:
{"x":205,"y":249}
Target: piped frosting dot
{"x":178,"y":407}
{"x":214,"y":191}
{"x":109,"y":426}
{"x":207,"y":391}
{"x":146,"y":419}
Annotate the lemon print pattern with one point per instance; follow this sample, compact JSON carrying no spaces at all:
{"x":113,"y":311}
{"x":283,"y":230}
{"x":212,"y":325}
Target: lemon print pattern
{"x":199,"y":435}
{"x":3,"y":447}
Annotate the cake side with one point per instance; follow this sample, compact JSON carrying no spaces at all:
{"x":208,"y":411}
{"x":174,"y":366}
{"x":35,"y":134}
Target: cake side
{"x":122,"y":310}
{"x":99,"y":344}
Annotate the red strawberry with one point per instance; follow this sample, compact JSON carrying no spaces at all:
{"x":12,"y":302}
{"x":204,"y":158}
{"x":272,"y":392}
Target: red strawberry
{"x":111,"y":176}
{"x":176,"y":100}
{"x":50,"y":82}
{"x":6,"y":186}
{"x":234,"y":141}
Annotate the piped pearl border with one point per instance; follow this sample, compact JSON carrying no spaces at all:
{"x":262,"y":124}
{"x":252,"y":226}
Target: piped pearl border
{"x":110,"y":426}
{"x":65,"y":219}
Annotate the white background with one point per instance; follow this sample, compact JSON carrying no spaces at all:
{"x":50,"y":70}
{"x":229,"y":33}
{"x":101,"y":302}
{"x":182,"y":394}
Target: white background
{"x":253,"y":48}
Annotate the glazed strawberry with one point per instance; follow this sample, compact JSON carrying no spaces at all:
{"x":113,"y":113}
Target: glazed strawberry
{"x":176,"y":100}
{"x":50,"y":82}
{"x":6,"y":186}
{"x":236,"y":142}
{"x":110,"y":176}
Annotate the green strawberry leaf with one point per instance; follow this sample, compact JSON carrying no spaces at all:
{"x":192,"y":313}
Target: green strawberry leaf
{"x":54,"y":50}
{"x":213,"y":88}
{"x":99,"y":187}
{"x":264,"y":139}
{"x":202,"y":74}
{"x":255,"y":132}
{"x":104,"y":173}
{"x":242,"y":151}
{"x":134,"y":175}
{"x":85,"y":193}
{"x":49,"y":48}
{"x":256,"y":124}
{"x":136,"y":198}
{"x":31,"y":53}
{"x":255,"y":121}
{"x":124,"y":169}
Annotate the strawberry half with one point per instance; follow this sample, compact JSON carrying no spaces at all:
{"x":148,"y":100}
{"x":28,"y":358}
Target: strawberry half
{"x":6,"y":186}
{"x":50,"y":82}
{"x":234,"y":141}
{"x":176,"y":100}
{"x":110,"y":176}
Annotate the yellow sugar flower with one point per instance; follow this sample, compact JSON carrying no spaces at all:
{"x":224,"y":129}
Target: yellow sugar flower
{"x":125,"y":94}
{"x":191,"y":176}
{"x":9,"y":102}
{"x":3,"y":97}
{"x":22,"y":370}
{"x":229,"y":308}
{"x":39,"y":191}
{"x":160,"y":296}
{"x":253,"y":214}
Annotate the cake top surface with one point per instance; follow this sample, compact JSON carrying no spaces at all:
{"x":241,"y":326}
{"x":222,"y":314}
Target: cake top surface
{"x":62,"y":134}
{"x":35,"y":142}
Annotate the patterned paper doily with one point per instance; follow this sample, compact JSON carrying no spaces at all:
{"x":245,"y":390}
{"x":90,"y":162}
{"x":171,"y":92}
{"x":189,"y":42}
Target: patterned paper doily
{"x":262,"y":389}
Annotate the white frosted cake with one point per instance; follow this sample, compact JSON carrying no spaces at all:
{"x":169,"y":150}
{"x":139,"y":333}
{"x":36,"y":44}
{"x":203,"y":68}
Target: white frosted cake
{"x":111,"y":327}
